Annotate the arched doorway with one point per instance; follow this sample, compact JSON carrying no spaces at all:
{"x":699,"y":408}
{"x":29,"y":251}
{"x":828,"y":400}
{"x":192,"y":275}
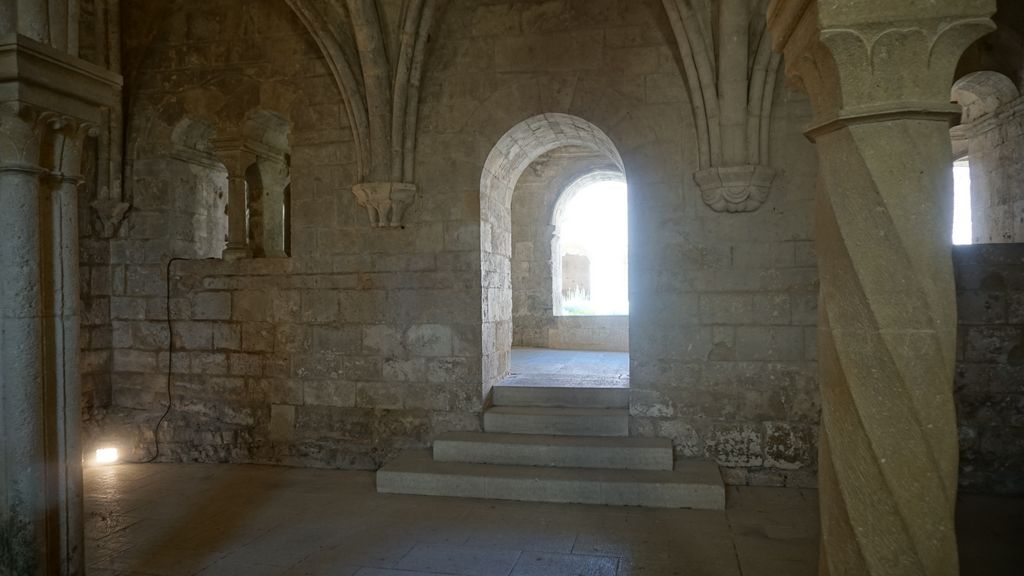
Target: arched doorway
{"x":514,"y":152}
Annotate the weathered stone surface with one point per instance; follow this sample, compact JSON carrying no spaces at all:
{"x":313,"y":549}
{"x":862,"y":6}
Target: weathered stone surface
{"x":45,"y":133}
{"x":381,"y":338}
{"x":214,"y":306}
{"x":887,"y":331}
{"x":990,"y":368}
{"x":282,"y":423}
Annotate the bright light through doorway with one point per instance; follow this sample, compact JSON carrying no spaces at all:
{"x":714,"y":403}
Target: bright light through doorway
{"x":962,"y":228}
{"x":593,"y":233}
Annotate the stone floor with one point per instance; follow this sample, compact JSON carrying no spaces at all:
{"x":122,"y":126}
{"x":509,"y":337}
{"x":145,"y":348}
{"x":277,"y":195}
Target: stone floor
{"x":224,"y":520}
{"x":568,"y":368}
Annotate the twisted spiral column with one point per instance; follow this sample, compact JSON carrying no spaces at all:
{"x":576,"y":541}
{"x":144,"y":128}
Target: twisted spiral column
{"x":879,"y":75}
{"x":887,"y":332}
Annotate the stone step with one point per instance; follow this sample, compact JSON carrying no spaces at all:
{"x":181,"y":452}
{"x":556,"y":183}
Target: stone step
{"x":573,"y":397}
{"x":692,"y":484}
{"x":557,"y":451}
{"x":557,"y":421}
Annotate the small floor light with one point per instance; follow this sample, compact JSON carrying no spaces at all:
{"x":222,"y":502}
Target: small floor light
{"x":107,"y":456}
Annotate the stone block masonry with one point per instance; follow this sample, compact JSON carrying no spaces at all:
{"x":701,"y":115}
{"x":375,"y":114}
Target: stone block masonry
{"x":288,"y":368}
{"x":990,"y":367}
{"x":366,"y":341}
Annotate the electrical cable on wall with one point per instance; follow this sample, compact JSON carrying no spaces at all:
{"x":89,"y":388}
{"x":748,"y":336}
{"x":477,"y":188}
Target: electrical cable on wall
{"x":170,"y":359}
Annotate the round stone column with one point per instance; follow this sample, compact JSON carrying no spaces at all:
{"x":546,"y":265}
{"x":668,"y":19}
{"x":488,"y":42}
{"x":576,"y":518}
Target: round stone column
{"x":67,"y":407}
{"x":236,"y":160}
{"x":40,"y":396}
{"x":23,"y":427}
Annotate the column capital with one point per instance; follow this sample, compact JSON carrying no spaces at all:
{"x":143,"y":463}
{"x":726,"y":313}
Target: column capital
{"x":245,"y":151}
{"x":235,"y":157}
{"x":67,"y":138}
{"x":21,"y":134}
{"x":33,"y":138}
{"x":876,"y":60}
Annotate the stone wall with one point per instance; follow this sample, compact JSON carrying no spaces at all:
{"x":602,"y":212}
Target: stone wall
{"x":996,"y":149}
{"x":95,"y":274}
{"x":724,"y":318}
{"x":97,"y":35}
{"x":722,"y":331}
{"x":360,"y":343}
{"x":990,"y":367}
{"x":367,"y":340}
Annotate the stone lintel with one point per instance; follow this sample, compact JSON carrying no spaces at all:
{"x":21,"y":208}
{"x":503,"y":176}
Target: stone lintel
{"x":37,"y":75}
{"x":248,"y":146}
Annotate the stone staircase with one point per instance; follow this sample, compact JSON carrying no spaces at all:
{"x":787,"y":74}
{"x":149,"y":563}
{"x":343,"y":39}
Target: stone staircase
{"x":568,"y":445}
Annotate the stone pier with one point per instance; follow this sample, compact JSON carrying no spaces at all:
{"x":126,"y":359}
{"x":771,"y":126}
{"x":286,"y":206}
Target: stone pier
{"x":43,"y":133}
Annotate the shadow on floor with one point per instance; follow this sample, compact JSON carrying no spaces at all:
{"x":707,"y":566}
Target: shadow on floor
{"x":990,"y":532}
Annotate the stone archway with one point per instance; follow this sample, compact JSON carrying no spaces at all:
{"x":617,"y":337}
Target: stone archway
{"x":512,"y":154}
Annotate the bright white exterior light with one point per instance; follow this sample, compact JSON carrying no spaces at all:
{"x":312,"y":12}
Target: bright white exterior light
{"x":107,"y":456}
{"x":962,"y":225}
{"x":591,"y":222}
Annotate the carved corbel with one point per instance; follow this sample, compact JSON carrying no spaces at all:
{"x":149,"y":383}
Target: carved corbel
{"x":107,"y":216}
{"x":735,"y":188}
{"x":385,"y":202}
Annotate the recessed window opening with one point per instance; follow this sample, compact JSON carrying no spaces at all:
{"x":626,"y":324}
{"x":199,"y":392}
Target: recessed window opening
{"x":590,"y":248}
{"x":962,"y":226}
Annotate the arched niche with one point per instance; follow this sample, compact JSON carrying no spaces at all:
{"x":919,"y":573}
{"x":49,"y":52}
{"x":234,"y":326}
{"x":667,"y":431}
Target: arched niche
{"x":265,"y":139}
